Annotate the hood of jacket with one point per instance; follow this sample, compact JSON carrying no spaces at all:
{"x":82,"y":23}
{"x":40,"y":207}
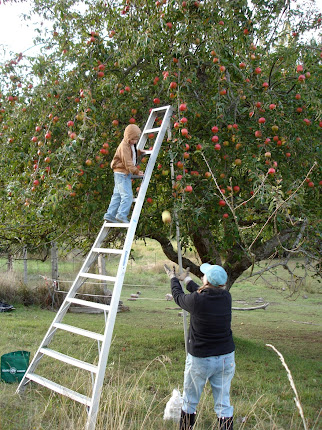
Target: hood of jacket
{"x":132,"y":131}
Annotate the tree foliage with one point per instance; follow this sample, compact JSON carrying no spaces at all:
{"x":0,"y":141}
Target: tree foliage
{"x":244,"y":80}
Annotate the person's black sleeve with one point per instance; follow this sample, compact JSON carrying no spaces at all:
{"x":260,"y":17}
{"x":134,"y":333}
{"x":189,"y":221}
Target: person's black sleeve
{"x":185,"y":301}
{"x":192,"y":286}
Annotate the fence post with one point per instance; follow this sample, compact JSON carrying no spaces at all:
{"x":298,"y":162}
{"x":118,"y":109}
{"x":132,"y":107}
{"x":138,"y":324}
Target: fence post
{"x":10,"y":262}
{"x":54,"y":262}
{"x":25,"y":268}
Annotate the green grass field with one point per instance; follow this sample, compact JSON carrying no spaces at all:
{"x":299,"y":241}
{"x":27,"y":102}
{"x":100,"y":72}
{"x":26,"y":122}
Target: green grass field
{"x":147,"y":356}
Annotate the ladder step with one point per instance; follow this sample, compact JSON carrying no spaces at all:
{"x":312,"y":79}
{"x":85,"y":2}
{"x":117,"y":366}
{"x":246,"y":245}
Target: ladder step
{"x":80,"y":331}
{"x":160,"y":108}
{"x":69,"y":360}
{"x":152,"y":130}
{"x":107,"y":251}
{"x":89,"y":304}
{"x":97,"y":276}
{"x":116,"y":224}
{"x":59,"y":389}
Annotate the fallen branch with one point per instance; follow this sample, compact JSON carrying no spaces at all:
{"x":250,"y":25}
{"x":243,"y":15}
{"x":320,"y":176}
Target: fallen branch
{"x":304,"y":322}
{"x":264,"y":306}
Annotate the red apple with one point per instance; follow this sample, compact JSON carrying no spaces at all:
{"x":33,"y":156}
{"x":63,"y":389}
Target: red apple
{"x":215,"y":129}
{"x":188,"y":189}
{"x":183,"y":107}
{"x":215,"y":138}
{"x":222,"y":203}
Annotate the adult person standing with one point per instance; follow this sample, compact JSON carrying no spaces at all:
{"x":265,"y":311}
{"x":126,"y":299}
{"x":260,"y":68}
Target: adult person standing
{"x":211,"y":349}
{"x":124,"y":165}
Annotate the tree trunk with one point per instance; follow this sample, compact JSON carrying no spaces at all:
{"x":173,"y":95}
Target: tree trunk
{"x":102,"y":271}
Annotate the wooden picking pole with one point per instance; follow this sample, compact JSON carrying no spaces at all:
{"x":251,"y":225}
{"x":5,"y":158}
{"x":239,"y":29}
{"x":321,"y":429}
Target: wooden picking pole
{"x":175,"y":215}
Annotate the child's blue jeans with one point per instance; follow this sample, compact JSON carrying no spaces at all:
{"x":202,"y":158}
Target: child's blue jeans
{"x":122,"y":197}
{"x":219,"y":370}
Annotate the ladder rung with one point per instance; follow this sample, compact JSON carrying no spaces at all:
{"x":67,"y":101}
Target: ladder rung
{"x":89,"y":304}
{"x":69,"y":360}
{"x":107,"y":251}
{"x":116,"y":224}
{"x":60,"y":389}
{"x":152,"y":130}
{"x":79,"y":331}
{"x":160,"y":108}
{"x":97,"y":276}
{"x":137,"y":177}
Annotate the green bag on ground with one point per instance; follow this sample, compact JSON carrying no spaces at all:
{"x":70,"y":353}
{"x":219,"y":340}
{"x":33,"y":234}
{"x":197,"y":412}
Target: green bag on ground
{"x":14,"y":365}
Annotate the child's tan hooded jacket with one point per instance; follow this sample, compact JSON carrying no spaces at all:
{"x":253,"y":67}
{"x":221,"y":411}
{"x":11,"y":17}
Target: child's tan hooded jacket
{"x":123,"y":161}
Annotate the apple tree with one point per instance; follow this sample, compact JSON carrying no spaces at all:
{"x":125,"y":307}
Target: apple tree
{"x":243,"y":78}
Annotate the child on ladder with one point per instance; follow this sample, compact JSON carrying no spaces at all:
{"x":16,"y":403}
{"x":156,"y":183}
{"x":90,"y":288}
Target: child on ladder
{"x":124,"y":165}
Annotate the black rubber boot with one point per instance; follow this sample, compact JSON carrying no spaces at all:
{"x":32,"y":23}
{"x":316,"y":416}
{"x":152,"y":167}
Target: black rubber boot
{"x":187,"y":421}
{"x":225,"y":424}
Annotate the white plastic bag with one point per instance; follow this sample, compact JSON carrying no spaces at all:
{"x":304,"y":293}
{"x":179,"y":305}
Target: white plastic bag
{"x":173,"y":407}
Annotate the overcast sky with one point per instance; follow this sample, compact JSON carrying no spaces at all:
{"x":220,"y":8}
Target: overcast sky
{"x":16,"y":34}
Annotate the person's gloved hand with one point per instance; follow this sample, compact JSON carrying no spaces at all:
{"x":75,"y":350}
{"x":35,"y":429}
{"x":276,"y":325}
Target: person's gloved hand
{"x":169,"y":272}
{"x":184,"y":274}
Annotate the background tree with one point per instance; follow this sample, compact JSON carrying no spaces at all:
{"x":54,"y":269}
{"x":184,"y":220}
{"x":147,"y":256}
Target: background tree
{"x":244,"y":80}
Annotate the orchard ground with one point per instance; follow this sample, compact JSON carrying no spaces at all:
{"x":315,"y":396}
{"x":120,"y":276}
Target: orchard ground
{"x":147,"y":355}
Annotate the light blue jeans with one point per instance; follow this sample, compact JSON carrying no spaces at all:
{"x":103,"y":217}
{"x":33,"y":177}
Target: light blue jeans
{"x":122,"y":197}
{"x":219,"y":370}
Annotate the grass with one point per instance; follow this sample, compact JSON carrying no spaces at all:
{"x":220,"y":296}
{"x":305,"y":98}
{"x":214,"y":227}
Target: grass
{"x":147,"y":357}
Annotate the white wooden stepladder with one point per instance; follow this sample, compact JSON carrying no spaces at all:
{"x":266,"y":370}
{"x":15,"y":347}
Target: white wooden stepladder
{"x":104,"y":340}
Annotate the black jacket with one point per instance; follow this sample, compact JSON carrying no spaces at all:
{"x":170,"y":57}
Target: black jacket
{"x":210,"y":318}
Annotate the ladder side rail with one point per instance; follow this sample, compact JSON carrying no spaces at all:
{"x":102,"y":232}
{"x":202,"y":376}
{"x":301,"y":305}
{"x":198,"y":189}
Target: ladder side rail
{"x":62,"y":311}
{"x":121,"y":273}
{"x":144,"y":137}
{"x":147,"y":126}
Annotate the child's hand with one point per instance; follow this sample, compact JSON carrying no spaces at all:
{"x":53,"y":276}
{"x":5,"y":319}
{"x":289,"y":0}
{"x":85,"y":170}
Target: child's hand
{"x":141,"y":173}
